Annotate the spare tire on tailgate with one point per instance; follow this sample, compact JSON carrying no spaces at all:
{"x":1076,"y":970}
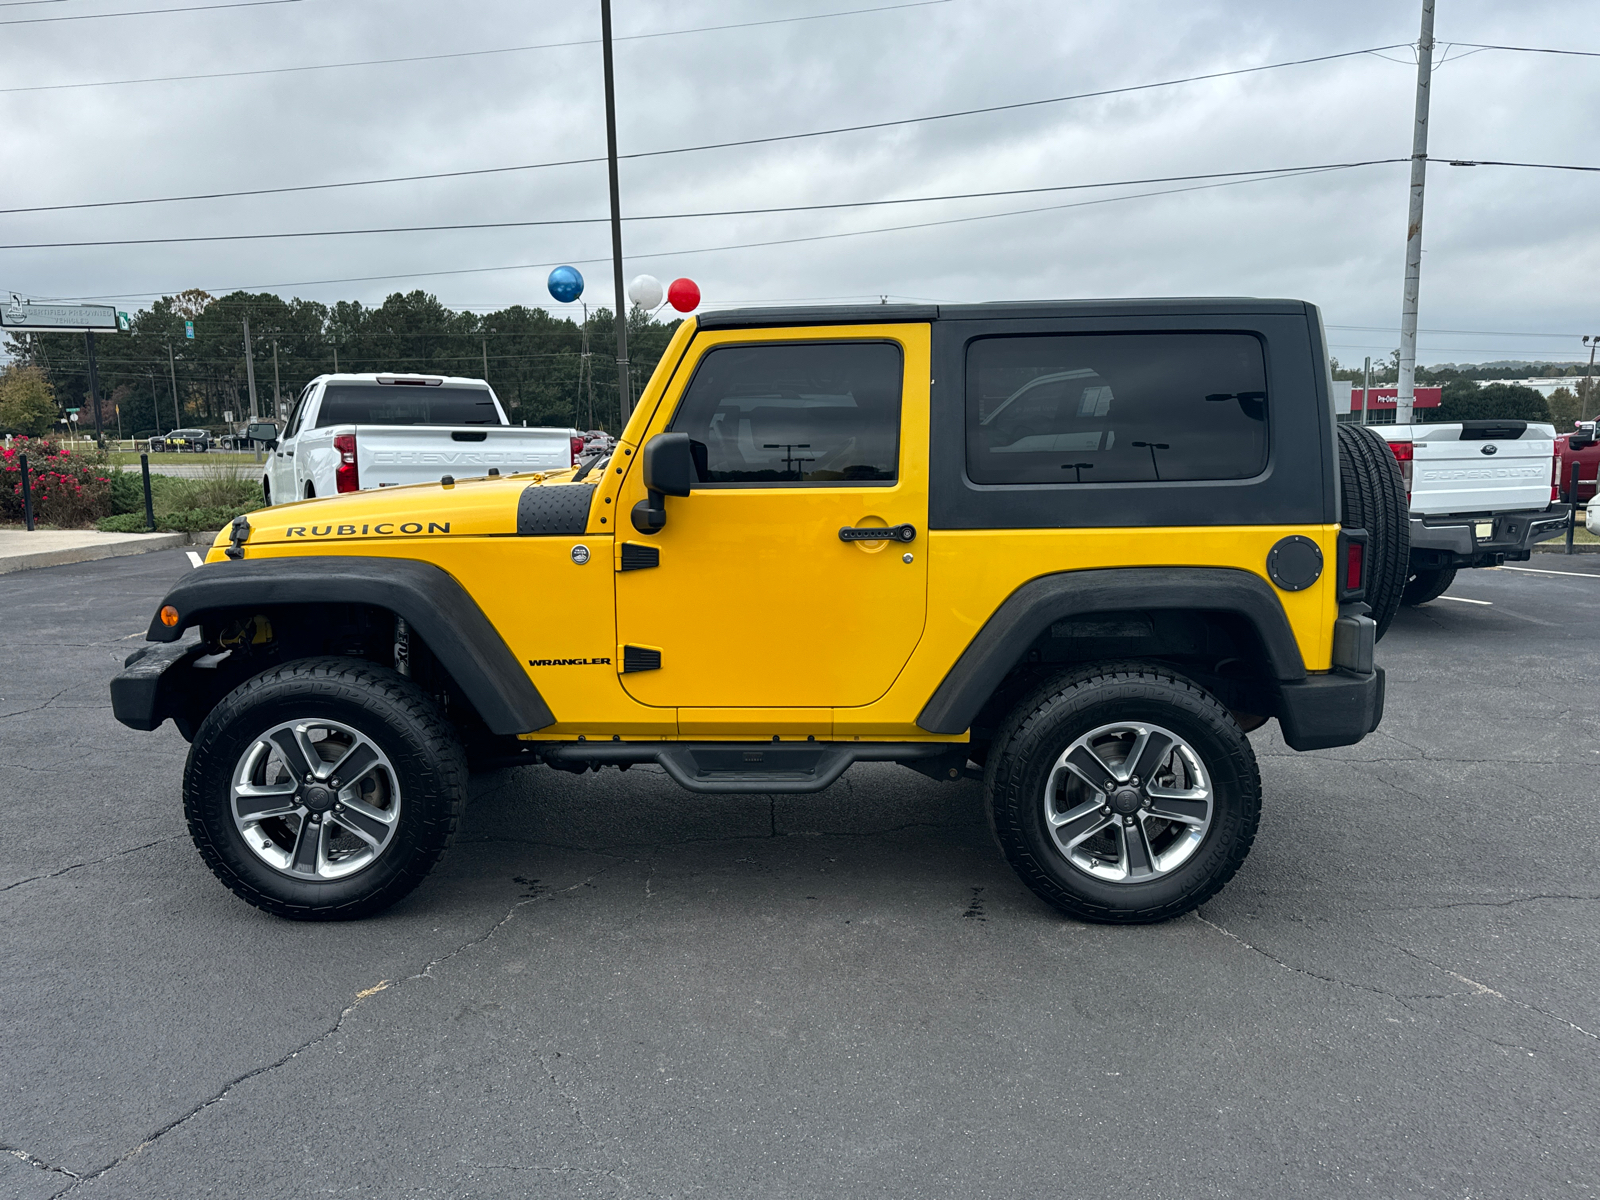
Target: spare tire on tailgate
{"x":1372,"y":496}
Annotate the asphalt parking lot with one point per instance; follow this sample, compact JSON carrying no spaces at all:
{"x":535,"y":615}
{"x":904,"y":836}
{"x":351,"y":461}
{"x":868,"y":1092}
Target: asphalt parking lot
{"x":612,"y":987}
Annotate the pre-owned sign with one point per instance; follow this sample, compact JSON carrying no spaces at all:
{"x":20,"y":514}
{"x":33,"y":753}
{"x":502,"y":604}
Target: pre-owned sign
{"x":22,"y":316}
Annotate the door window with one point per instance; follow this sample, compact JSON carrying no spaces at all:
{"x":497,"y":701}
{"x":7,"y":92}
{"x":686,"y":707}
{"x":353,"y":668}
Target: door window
{"x":796,"y":413}
{"x":1116,"y":408}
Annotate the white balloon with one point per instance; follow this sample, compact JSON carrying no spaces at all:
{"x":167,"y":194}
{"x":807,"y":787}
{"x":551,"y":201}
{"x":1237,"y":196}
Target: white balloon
{"x":646,"y":291}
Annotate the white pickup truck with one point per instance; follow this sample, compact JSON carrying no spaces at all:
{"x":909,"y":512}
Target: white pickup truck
{"x":1481,"y":493}
{"x":347,"y":433}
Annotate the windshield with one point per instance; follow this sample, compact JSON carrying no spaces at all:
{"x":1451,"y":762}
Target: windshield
{"x":401,"y":404}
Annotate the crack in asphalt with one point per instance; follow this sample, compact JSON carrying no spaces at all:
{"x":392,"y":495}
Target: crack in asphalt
{"x":94,"y":862}
{"x":311,"y":1043}
{"x":37,"y":708}
{"x":1399,"y":997}
{"x":1482,"y":989}
{"x":38,"y":1163}
{"x":1481,"y":903}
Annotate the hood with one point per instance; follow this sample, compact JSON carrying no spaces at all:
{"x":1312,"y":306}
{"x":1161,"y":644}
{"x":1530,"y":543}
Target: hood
{"x":481,"y":507}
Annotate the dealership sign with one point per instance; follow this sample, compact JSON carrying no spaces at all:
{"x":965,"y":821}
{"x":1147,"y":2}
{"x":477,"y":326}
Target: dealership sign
{"x":23,"y":316}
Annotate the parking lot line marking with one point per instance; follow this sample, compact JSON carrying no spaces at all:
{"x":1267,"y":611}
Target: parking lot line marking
{"x":195,"y":560}
{"x":1542,"y":571}
{"x":1464,"y":600}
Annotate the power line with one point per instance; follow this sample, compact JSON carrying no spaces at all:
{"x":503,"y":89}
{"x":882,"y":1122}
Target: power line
{"x":571,"y":162}
{"x":146,"y":12}
{"x":822,"y":237}
{"x":1490,"y":162}
{"x":1529,"y":49}
{"x":419,"y":58}
{"x":737,"y":212}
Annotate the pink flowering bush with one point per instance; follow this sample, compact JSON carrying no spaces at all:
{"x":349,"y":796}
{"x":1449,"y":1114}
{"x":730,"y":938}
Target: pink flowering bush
{"x":69,"y":489}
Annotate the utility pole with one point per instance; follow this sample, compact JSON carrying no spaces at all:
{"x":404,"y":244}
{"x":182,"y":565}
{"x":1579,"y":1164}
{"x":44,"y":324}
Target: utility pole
{"x":486,"y":358}
{"x":336,"y":358}
{"x":155,"y":402}
{"x":250,"y":371}
{"x":1366,"y":392}
{"x":1419,"y":175}
{"x":94,"y":387}
{"x":1586,"y":386}
{"x":624,"y":384}
{"x":173,"y":367}
{"x":277,"y":396}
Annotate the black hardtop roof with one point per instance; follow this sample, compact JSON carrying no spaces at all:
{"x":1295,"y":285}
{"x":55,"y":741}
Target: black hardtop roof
{"x":1010,"y":310}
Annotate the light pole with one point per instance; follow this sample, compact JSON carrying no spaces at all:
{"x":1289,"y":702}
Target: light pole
{"x":1584,"y":388}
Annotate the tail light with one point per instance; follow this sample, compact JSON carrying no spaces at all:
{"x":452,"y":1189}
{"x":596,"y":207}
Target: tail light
{"x":1555,"y":472}
{"x":577,"y":449}
{"x":1402,"y":452}
{"x":1352,"y":577}
{"x":346,"y":476}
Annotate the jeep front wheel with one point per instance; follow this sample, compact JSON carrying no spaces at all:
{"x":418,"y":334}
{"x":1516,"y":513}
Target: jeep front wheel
{"x":326,"y":788}
{"x":1123,"y":794}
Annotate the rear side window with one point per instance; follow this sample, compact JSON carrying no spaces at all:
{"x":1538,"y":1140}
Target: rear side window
{"x":796,"y":413}
{"x":400,"y":404}
{"x":1116,"y":408}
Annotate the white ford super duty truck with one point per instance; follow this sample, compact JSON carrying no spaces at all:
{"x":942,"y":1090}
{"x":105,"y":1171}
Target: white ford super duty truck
{"x":1481,"y":493}
{"x":347,"y":433}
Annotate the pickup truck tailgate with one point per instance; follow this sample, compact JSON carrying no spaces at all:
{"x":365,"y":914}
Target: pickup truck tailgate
{"x":391,"y":455}
{"x":1468,"y":470}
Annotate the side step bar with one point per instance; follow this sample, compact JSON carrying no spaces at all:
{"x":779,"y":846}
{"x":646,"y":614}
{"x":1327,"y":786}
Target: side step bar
{"x":760,"y":767}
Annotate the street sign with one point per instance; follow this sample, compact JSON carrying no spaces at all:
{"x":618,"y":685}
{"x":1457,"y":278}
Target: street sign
{"x":73,"y":410}
{"x":23,"y":316}
{"x":124,"y":322}
{"x":227,"y":417}
{"x":188,"y":330}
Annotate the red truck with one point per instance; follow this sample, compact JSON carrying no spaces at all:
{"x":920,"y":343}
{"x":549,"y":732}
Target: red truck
{"x":1578,"y":447}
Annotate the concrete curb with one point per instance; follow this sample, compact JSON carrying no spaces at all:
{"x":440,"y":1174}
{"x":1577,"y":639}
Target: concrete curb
{"x":1560,"y":547}
{"x":144,"y":544}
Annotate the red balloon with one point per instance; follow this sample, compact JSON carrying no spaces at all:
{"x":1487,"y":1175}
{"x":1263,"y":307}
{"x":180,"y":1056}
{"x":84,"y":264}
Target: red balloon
{"x":683,"y":295}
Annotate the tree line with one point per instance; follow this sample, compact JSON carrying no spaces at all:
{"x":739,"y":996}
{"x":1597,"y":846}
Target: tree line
{"x":155,"y":377}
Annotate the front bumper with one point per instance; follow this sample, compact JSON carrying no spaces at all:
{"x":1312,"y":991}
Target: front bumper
{"x":1336,"y":709}
{"x":1452,"y":541}
{"x":143,"y":693}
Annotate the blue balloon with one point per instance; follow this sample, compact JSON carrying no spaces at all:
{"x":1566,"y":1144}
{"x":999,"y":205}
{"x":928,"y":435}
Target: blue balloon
{"x":566,"y":285}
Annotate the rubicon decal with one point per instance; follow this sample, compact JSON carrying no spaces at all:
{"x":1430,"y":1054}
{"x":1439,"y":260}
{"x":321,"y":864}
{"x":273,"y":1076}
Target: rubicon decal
{"x":569,"y":662}
{"x":380,"y":529}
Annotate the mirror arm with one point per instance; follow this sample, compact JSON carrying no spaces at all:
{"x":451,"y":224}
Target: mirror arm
{"x":650,"y":514}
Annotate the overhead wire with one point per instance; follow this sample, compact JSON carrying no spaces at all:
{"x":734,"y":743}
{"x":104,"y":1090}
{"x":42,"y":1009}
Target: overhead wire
{"x":735,"y":212}
{"x":420,"y":58}
{"x":528,"y":266}
{"x":148,"y":12}
{"x":641,"y":154}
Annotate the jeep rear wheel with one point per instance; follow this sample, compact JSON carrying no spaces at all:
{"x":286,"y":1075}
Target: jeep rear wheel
{"x":1123,"y":794}
{"x":323,"y":789}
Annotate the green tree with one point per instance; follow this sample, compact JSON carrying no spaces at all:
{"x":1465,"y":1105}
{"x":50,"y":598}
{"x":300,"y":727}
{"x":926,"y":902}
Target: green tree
{"x":1564,"y":408}
{"x":1464,"y":400}
{"x":27,"y":402}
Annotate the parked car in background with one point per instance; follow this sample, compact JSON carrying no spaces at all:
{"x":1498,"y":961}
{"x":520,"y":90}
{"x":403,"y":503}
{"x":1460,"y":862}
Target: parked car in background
{"x":1480,"y":493}
{"x":197,"y":440}
{"x":1581,"y":449}
{"x":349,"y":433}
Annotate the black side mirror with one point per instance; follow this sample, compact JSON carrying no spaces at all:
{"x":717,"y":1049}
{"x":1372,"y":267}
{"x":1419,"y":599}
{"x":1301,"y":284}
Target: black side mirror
{"x":669,"y":470}
{"x":1579,"y":442}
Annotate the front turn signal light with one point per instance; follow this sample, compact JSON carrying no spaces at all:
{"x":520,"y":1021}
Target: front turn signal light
{"x":169,"y":616}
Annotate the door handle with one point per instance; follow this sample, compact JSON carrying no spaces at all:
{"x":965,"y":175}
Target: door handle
{"x":870,"y":533}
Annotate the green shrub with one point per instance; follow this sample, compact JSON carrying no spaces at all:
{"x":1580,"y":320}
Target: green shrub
{"x":127,"y":493}
{"x":70,"y":489}
{"x":192,"y":520}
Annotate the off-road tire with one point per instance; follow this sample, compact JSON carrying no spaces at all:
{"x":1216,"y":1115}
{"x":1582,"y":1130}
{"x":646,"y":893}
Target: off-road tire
{"x":1427,"y":585}
{"x":1372,"y":496}
{"x":387,"y":708}
{"x":1048,"y":721}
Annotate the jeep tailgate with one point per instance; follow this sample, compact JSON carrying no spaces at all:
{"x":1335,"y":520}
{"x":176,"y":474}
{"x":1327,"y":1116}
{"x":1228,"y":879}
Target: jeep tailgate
{"x":1476,"y":467}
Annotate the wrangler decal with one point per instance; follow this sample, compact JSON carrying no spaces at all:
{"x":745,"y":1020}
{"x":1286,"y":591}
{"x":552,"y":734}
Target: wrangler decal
{"x":569,"y":662}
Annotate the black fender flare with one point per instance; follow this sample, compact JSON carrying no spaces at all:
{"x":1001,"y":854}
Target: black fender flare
{"x":441,"y":611}
{"x":1040,"y":603}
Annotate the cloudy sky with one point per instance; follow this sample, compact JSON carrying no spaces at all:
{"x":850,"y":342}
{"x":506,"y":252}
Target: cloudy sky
{"x":1511,"y":254}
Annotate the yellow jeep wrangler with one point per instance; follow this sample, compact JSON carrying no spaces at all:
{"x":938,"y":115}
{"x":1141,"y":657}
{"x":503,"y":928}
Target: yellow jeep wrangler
{"x":1075,"y":549}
